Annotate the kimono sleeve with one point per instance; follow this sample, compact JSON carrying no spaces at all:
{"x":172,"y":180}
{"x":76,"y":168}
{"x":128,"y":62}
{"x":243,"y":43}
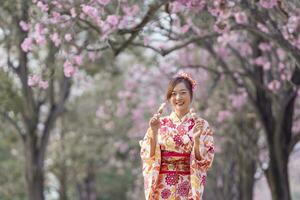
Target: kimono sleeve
{"x":145,"y":152}
{"x":206,"y":148}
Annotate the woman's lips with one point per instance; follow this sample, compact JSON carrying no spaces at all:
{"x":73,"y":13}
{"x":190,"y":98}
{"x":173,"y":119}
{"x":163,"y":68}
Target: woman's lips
{"x":180,"y":104}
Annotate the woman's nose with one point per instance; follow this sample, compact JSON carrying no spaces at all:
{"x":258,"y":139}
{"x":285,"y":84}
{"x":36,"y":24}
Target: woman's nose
{"x":178,"y":97}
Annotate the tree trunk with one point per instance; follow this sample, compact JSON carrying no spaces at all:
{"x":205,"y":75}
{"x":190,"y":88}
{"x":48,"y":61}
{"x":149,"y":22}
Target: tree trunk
{"x":246,"y":179}
{"x":63,"y":184}
{"x":277,"y":118}
{"x":62,"y":165}
{"x":277,"y":174}
{"x":34,"y":171}
{"x":87,"y":189}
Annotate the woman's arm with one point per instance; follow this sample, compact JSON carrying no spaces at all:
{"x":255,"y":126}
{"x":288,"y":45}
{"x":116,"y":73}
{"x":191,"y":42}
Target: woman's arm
{"x":197,"y":150}
{"x":153,"y":139}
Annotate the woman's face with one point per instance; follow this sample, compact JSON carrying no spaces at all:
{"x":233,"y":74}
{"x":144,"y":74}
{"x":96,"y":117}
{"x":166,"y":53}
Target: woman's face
{"x":180,"y":98}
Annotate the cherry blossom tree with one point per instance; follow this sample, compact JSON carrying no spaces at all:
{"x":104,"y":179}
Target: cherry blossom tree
{"x":260,"y":53}
{"x":39,"y":37}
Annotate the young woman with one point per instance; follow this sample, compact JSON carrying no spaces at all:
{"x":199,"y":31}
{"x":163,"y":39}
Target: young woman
{"x":178,"y":149}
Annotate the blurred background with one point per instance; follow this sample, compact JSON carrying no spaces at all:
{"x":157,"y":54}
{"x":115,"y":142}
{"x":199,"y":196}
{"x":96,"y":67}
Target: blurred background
{"x":79,"y":80}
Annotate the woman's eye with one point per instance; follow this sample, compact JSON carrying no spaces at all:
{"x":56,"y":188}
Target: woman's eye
{"x":173,"y":94}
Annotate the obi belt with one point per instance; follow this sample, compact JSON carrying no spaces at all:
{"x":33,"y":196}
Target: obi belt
{"x":174,"y":162}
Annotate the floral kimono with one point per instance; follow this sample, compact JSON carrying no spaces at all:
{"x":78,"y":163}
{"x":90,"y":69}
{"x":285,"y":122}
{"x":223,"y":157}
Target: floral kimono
{"x":174,"y":173}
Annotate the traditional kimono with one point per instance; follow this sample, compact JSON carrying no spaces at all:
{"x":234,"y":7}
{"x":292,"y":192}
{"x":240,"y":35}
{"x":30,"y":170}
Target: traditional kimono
{"x":174,"y":173}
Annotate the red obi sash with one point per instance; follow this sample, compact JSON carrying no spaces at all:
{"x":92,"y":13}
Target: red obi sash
{"x":174,"y":162}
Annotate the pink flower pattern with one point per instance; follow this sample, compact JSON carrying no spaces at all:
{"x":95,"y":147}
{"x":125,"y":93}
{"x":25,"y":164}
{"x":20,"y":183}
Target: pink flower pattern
{"x":172,"y":179}
{"x":165,"y":193}
{"x":178,"y":140}
{"x":172,"y":185}
{"x":183,"y":188}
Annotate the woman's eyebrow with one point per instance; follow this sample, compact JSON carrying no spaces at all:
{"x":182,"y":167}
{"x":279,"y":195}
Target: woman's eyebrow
{"x":180,"y":90}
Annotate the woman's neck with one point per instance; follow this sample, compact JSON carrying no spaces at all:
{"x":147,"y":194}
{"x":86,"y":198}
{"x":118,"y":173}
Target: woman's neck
{"x":181,"y":114}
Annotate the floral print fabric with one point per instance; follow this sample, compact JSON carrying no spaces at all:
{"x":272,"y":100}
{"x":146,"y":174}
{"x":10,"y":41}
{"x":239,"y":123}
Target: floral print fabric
{"x":176,"y":136}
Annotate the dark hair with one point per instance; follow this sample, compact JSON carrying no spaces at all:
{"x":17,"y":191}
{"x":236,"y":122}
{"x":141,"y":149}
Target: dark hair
{"x":176,"y":81}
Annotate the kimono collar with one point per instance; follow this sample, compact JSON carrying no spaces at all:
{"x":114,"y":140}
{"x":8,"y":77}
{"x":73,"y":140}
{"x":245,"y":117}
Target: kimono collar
{"x":174,"y":117}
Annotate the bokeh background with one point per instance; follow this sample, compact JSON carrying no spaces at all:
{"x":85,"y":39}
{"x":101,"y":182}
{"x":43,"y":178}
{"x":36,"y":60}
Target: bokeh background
{"x":79,"y":80}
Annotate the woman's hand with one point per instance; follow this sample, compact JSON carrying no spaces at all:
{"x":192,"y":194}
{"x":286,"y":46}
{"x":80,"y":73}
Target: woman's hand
{"x":197,"y":131}
{"x":154,"y":122}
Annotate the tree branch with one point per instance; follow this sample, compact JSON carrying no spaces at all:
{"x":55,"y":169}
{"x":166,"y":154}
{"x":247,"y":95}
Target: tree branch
{"x":149,"y":15}
{"x":13,"y":123}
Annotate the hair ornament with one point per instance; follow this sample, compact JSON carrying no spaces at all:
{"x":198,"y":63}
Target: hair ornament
{"x":187,"y":77}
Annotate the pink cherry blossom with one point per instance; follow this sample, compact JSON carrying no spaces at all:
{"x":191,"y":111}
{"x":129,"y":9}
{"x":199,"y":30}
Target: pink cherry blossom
{"x":55,"y":39}
{"x":123,"y":23}
{"x":176,"y":7}
{"x":40,"y":39}
{"x":261,"y":61}
{"x":58,"y":4}
{"x":33,"y":80}
{"x":94,"y":55}
{"x":56,"y":17}
{"x":238,"y":101}
{"x":241,"y":18}
{"x":213,"y":11}
{"x":274,"y":85}
{"x":245,"y":49}
{"x":39,"y":28}
{"x":69,"y":69}
{"x":27,"y":44}
{"x":281,"y":66}
{"x":73,"y":12}
{"x":90,"y":11}
{"x":130,"y":11}
{"x":267,"y":66}
{"x":43,"y":6}
{"x":104,"y":2}
{"x":283,"y":77}
{"x":226,"y":38}
{"x":223,"y":115}
{"x":264,"y":46}
{"x":25,"y":26}
{"x":113,"y":20}
{"x":268,"y":4}
{"x":222,"y":52}
{"x":184,"y":2}
{"x":78,"y":59}
{"x":43,"y":84}
{"x":292,"y":24}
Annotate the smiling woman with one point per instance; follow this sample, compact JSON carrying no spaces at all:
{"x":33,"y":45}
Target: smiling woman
{"x":180,"y":95}
{"x":178,"y":149}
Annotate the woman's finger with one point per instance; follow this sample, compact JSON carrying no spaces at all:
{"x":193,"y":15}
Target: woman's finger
{"x":151,"y":120}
